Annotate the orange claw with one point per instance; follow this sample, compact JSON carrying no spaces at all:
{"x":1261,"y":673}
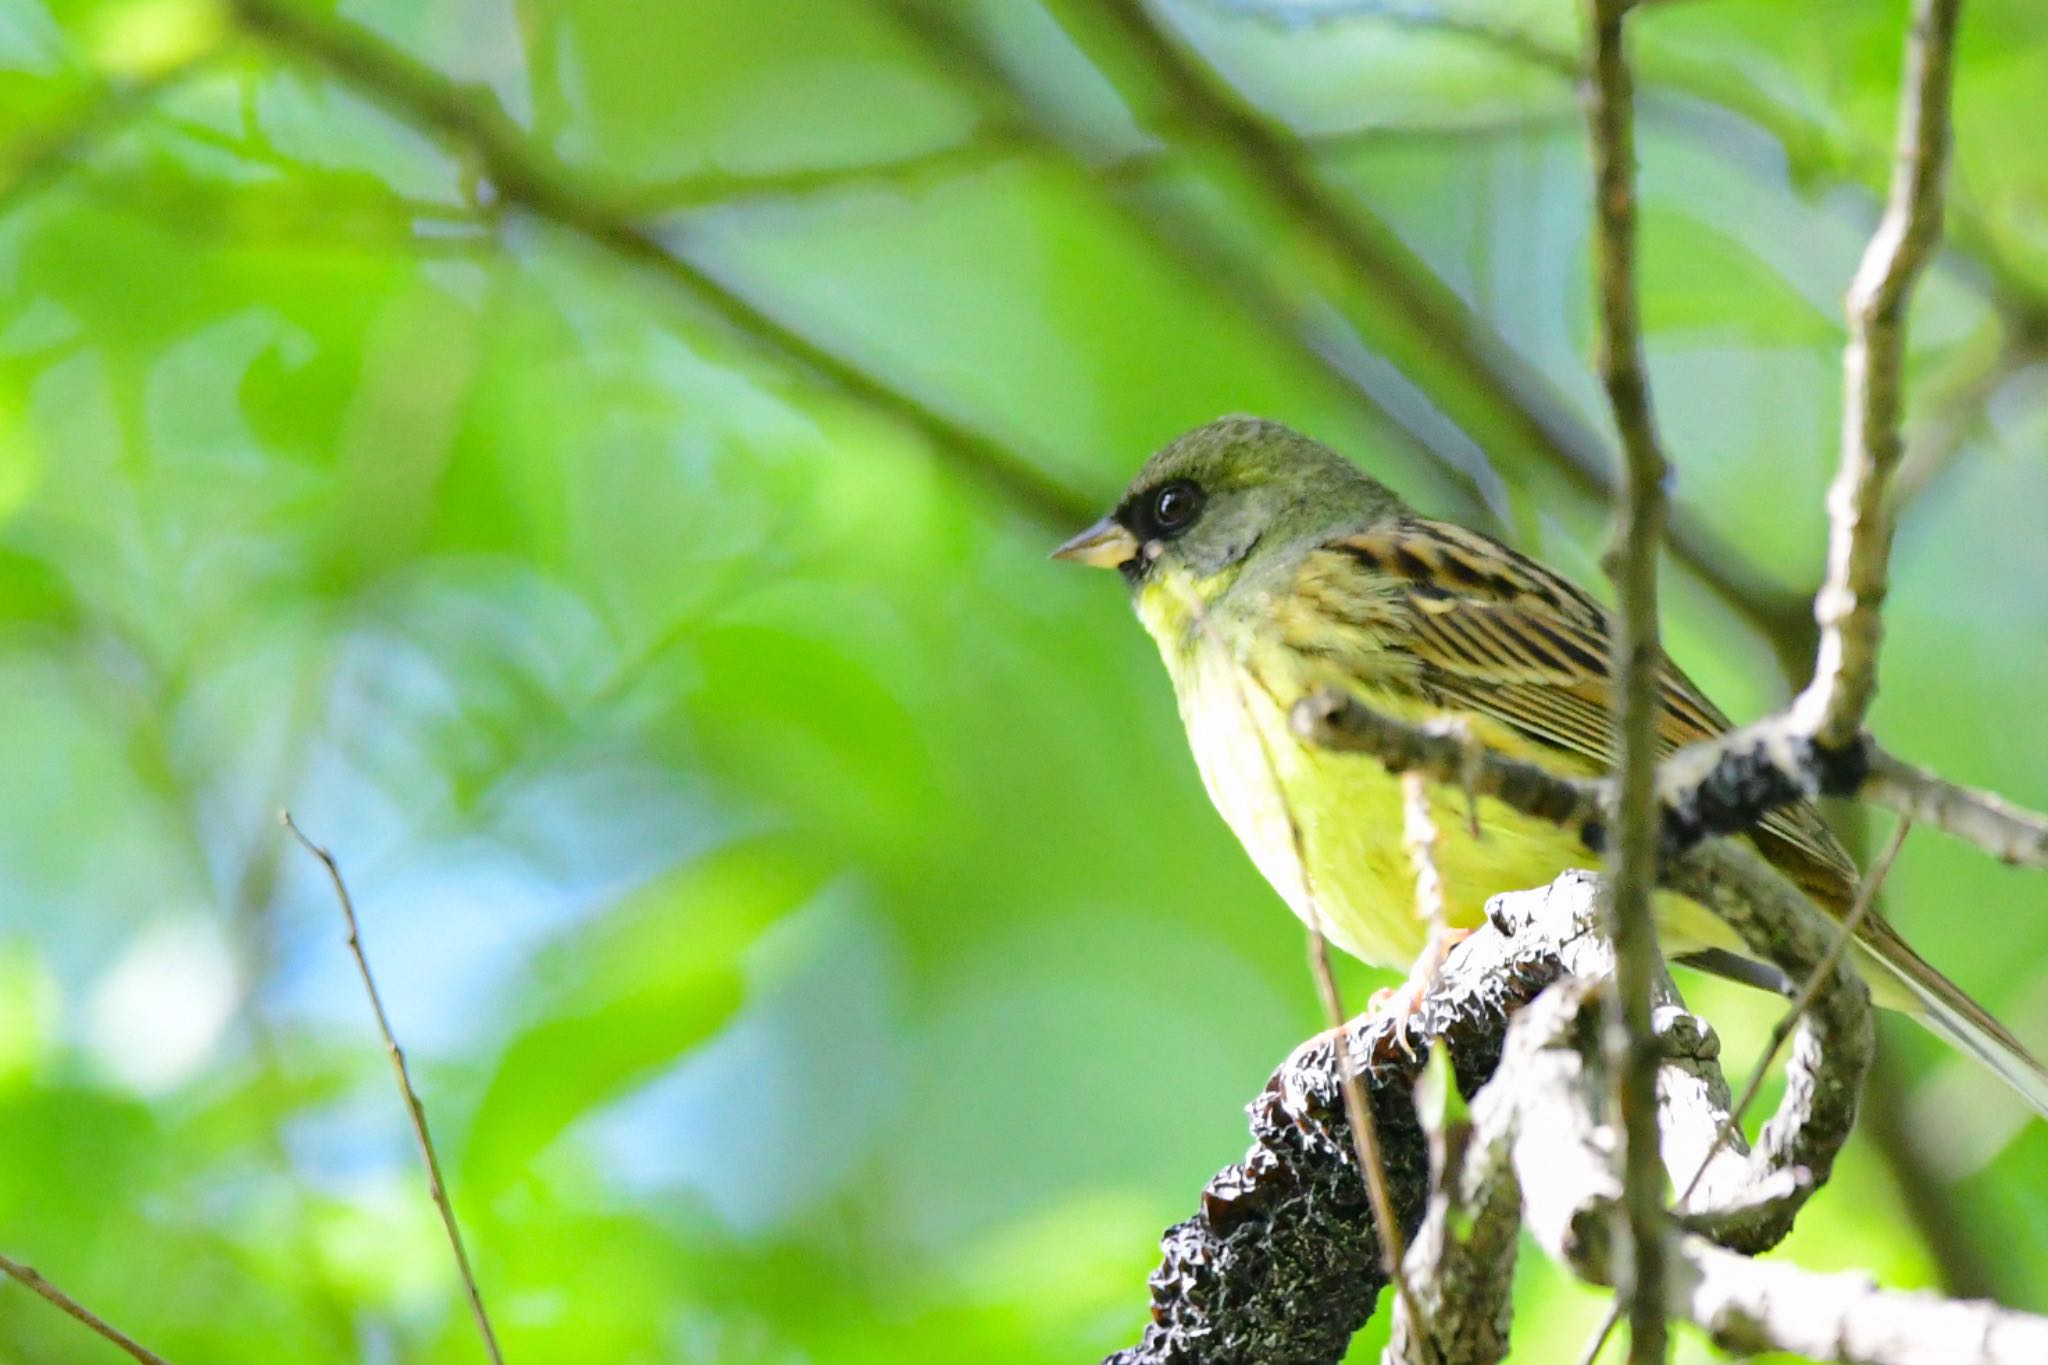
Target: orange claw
{"x":1405,"y":1000}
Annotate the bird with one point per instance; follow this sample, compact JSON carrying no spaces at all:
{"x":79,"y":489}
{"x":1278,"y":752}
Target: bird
{"x":1266,"y":566}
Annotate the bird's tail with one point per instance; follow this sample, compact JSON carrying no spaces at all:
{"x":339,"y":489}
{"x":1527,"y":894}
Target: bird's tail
{"x":1908,"y":982}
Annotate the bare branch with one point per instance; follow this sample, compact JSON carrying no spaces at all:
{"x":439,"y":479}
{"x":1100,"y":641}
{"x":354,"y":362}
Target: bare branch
{"x":1421,"y":320}
{"x":1597,"y":1343}
{"x":1545,"y":1111}
{"x":28,"y":1279}
{"x":1338,"y":720}
{"x":529,"y":177}
{"x":1848,"y":607}
{"x":1749,"y":1208}
{"x":1482,"y":29}
{"x":994,"y":146}
{"x":437,"y":1189}
{"x":1832,"y":1044}
{"x":46,"y":155}
{"x":1866,"y":897}
{"x":1749,"y":1306}
{"x":1716,"y":787}
{"x":1956,"y":411}
{"x":2009,"y":833}
{"x":1638,"y":672}
{"x":928,"y":165}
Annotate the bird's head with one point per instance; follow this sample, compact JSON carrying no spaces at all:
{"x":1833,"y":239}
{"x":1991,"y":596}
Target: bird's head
{"x":1202,"y":506}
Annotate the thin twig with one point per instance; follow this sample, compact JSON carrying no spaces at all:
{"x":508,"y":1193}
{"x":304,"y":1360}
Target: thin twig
{"x":1632,"y":1046}
{"x":1004,"y":144}
{"x":28,"y":1279}
{"x":1601,"y":1336}
{"x":415,"y":1111}
{"x":1866,"y":897}
{"x":1482,"y":29}
{"x":1956,"y":412}
{"x":1849,"y":605}
{"x":1447,"y":754}
{"x":1365,"y":1131}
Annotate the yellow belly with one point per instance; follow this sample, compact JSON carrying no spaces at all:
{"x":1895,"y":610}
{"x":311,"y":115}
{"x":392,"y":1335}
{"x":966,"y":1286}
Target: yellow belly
{"x":1325,"y":828}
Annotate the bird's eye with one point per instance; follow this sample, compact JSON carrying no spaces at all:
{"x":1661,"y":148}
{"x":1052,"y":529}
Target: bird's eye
{"x":1174,"y":506}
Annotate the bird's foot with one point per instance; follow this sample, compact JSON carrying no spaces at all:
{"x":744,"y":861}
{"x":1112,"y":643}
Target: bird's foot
{"x":1404,"y":1002}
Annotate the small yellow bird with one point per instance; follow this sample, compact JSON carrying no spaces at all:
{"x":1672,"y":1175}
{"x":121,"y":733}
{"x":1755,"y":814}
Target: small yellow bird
{"x":1265,"y":565}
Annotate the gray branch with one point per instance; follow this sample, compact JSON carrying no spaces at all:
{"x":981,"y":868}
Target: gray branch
{"x":1715,"y":787}
{"x":1280,"y":1266}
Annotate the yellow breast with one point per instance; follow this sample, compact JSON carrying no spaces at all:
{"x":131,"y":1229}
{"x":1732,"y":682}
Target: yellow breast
{"x":1325,"y":828}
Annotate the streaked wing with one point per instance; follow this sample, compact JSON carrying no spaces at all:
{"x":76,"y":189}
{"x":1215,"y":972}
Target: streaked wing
{"x":1494,"y":633}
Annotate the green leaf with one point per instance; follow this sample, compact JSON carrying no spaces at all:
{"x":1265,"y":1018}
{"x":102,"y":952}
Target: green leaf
{"x":630,"y":992}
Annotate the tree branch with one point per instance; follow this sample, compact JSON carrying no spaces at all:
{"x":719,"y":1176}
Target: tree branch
{"x":1748,"y":1307}
{"x":28,"y":1279}
{"x":1510,"y":405}
{"x":1744,"y":1305}
{"x":532,"y":179}
{"x":2008,"y":832}
{"x":416,"y":1112}
{"x":1712,"y":788}
{"x":1638,"y":671}
{"x":1280,"y":1266}
{"x":44,"y":155}
{"x":1291,"y":316}
{"x":1814,"y":155}
{"x":1848,"y":607}
{"x":1462,"y":1262}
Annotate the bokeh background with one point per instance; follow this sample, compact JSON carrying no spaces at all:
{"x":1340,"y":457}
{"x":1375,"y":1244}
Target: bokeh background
{"x":595,"y":464}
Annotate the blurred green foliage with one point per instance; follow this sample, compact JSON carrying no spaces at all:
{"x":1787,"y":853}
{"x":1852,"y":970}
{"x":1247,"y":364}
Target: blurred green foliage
{"x":794,"y":893}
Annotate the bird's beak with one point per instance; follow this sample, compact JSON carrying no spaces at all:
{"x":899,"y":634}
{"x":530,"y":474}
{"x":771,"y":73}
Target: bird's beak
{"x":1105,"y":545}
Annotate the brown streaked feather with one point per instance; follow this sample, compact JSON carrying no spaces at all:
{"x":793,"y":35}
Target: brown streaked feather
{"x":1494,"y":633}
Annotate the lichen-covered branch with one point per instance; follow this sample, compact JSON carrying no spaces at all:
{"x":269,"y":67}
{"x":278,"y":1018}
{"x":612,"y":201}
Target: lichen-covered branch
{"x":1280,"y":1264}
{"x":1832,"y":1044}
{"x":1462,"y":1264}
{"x":1546,"y":1115}
{"x":1716,"y":787}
